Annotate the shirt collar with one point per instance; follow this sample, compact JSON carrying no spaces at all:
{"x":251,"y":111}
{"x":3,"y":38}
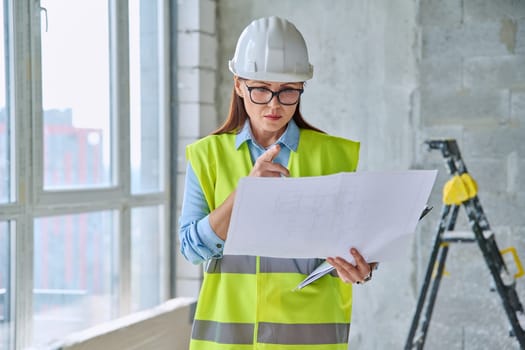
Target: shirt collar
{"x":290,"y":137}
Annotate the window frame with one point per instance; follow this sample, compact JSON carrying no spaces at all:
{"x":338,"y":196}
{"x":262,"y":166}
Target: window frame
{"x":32,"y":201}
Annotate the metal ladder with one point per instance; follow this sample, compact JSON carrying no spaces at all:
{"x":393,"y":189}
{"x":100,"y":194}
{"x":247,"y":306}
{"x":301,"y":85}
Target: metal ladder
{"x":505,"y":283}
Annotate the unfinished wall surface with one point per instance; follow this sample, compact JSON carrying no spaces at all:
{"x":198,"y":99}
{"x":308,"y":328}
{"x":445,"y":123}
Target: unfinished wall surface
{"x":391,"y":75}
{"x":364,"y":68}
{"x":197,"y":116}
{"x":471,"y":88}
{"x":363,"y":88}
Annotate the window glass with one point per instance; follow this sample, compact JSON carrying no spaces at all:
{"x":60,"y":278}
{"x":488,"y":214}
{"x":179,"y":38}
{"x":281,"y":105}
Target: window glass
{"x":74,"y":273}
{"x":75,"y":94}
{"x":5,"y":317}
{"x":146,"y":256}
{"x":147,"y":97}
{"x":4,"y":120}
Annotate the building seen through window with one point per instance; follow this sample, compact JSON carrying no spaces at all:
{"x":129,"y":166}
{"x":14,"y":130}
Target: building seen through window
{"x":74,"y":155}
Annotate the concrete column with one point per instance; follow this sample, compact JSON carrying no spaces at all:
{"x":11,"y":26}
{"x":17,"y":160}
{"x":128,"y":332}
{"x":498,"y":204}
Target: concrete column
{"x":197,"y":70}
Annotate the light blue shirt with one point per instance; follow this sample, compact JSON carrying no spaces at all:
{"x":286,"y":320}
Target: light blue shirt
{"x":198,"y":241}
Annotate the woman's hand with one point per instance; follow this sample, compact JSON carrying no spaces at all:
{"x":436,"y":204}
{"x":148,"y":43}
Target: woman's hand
{"x":264,"y":165}
{"x":358,"y":273}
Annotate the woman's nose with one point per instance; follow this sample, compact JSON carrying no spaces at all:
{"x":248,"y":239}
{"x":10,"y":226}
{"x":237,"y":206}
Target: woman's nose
{"x":274,"y":101}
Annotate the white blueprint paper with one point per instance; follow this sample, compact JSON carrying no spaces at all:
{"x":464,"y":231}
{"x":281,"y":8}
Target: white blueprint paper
{"x":323,"y":216}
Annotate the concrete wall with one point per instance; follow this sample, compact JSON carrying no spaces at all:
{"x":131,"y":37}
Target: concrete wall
{"x":197,"y":115}
{"x":471,"y":87}
{"x":392,"y":74}
{"x":365,"y":81}
{"x":364,"y":68}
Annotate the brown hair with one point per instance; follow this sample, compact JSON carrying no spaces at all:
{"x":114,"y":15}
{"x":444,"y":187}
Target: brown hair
{"x":237,"y":116}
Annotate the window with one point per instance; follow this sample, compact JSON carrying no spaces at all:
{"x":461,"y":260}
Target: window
{"x":5,"y":167}
{"x":84,"y":102}
{"x":73,"y":285}
{"x":147,"y":105}
{"x":6,"y":193}
{"x":147,"y":256}
{"x":75,"y":94}
{"x":5,"y":283}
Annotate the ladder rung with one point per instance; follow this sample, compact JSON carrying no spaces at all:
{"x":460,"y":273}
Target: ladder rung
{"x":462,"y":236}
{"x":458,"y":236}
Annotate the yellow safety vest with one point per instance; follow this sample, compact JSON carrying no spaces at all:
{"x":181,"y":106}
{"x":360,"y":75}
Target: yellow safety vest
{"x":249,"y":302}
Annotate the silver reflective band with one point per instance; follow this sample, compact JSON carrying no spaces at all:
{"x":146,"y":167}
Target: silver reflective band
{"x":271,"y":333}
{"x":222,"y":332}
{"x":247,"y":264}
{"x":316,"y":333}
{"x":304,"y":266}
{"x":232,"y":264}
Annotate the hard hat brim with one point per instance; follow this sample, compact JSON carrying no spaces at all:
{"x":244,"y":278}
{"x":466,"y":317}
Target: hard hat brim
{"x":272,"y":76}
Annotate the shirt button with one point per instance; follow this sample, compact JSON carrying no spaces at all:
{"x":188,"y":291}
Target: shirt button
{"x":218,"y":245}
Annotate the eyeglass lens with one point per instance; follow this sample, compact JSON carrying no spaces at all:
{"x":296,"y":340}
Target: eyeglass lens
{"x":263,"y":95}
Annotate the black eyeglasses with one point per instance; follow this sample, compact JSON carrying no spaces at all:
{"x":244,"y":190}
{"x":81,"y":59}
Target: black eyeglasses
{"x":261,"y":95}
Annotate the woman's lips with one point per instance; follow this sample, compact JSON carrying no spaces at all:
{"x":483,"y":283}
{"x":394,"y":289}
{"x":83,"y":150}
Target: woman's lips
{"x":273,"y":116}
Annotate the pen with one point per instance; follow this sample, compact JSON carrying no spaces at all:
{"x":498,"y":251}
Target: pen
{"x":425,"y":212}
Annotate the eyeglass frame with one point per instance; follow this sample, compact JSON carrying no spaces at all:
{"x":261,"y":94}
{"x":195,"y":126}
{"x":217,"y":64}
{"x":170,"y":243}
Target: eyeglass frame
{"x":274,"y":93}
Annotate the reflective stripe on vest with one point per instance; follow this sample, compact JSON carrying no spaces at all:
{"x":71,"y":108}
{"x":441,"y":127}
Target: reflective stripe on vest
{"x":304,"y":266}
{"x":247,"y":264}
{"x":232,"y":264}
{"x":222,"y":332}
{"x":314,"y":333}
{"x":271,"y":333}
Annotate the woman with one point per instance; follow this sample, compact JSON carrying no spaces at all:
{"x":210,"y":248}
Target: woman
{"x":248,"y":302}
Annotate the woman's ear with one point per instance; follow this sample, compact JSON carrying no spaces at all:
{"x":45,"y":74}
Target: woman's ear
{"x":238,"y":86}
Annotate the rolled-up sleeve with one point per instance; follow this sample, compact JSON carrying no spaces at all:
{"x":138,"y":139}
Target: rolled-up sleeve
{"x":198,"y":241}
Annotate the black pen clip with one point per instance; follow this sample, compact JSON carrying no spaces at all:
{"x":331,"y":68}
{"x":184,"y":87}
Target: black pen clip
{"x":425,"y":212}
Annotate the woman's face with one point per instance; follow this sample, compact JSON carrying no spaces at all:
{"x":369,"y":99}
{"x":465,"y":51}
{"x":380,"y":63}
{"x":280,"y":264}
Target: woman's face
{"x":268,"y":120}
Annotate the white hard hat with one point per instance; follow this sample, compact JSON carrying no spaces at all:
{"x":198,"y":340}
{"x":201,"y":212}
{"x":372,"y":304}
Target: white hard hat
{"x":271,"y":49}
